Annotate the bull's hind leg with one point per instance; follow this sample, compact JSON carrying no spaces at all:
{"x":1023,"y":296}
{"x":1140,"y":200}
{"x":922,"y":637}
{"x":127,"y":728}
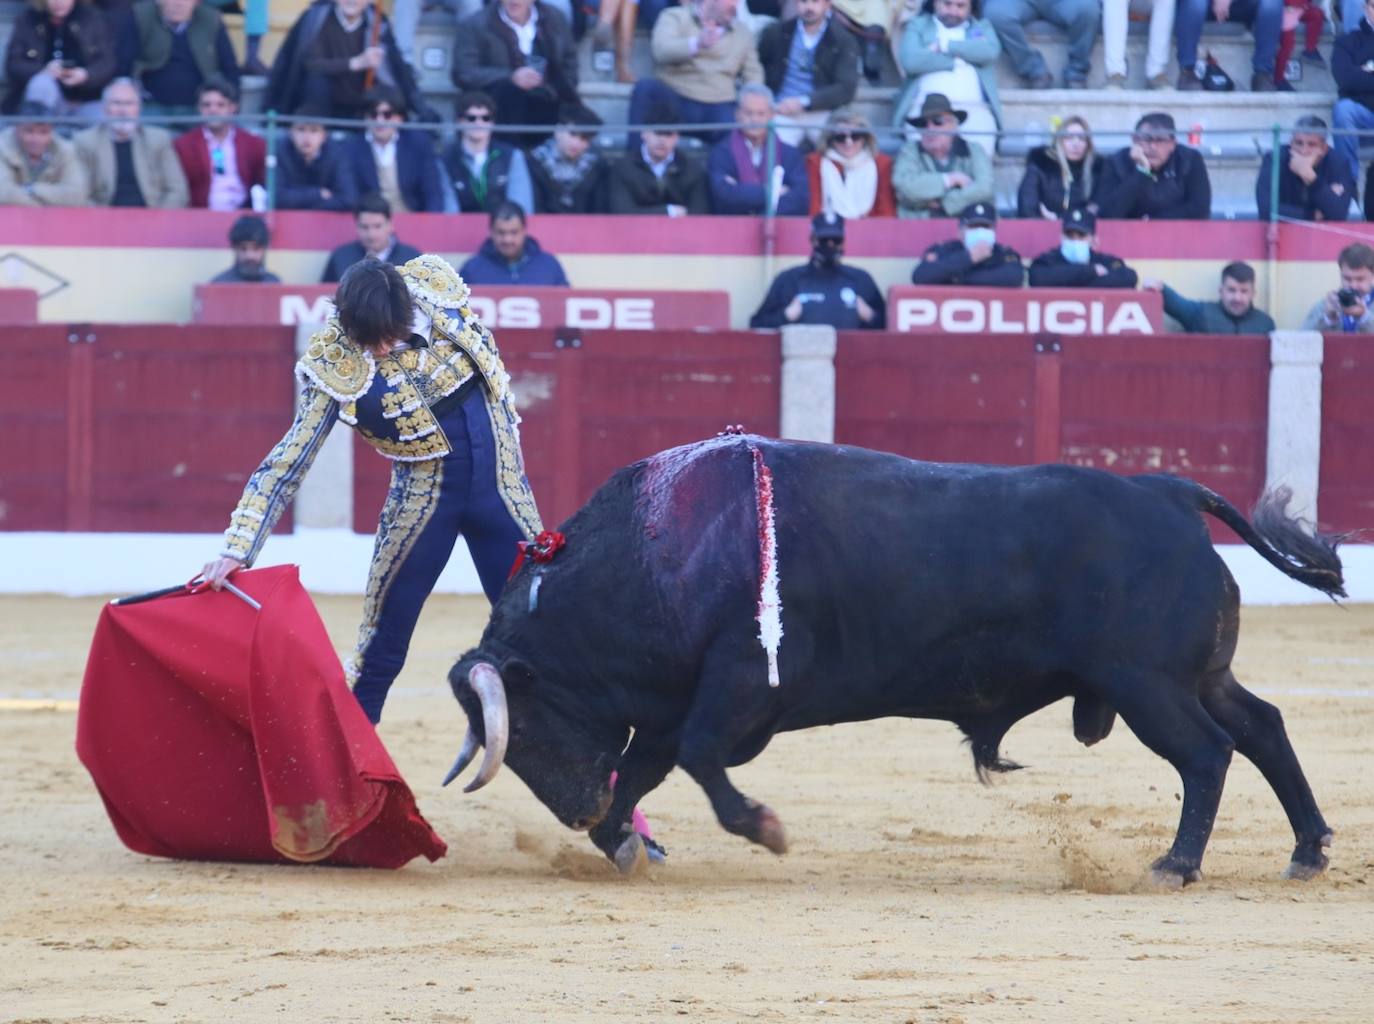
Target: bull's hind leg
{"x":734,"y":708}
{"x":1257,"y":728}
{"x":1167,"y":717}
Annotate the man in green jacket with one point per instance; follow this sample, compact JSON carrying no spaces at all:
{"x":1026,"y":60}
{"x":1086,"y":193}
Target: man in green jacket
{"x":1235,"y":313}
{"x":937,"y":173}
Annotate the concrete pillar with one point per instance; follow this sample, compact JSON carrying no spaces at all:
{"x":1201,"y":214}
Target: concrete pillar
{"x":1295,"y":417}
{"x":325,"y":498}
{"x":808,"y":383}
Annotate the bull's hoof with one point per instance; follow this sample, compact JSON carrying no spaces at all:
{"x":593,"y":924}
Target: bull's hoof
{"x":768,"y":830}
{"x":631,"y":858}
{"x":1308,"y":860}
{"x":1173,"y":874}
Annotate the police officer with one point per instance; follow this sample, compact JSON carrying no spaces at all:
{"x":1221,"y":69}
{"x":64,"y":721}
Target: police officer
{"x":975,"y":257}
{"x":1076,"y":264}
{"x":824,"y":291}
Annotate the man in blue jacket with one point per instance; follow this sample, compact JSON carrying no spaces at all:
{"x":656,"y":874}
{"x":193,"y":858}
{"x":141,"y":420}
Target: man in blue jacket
{"x":1313,"y":183}
{"x":311,"y":173}
{"x":510,"y":256}
{"x":741,"y":177}
{"x":1352,"y":66}
{"x":400,"y":165}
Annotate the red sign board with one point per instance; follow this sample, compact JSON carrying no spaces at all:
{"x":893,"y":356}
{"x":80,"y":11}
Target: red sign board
{"x":18,"y":306}
{"x":528,"y":307}
{"x":914,"y":309}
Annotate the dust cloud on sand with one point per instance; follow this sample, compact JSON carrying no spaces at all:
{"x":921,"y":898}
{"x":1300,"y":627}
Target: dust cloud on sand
{"x":911,"y":893}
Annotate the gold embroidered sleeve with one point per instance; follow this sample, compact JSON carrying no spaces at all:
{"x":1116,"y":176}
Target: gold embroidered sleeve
{"x":275,"y":482}
{"x":332,"y":363}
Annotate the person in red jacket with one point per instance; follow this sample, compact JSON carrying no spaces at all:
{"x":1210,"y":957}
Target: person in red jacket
{"x":222,"y":161}
{"x":847,"y":174}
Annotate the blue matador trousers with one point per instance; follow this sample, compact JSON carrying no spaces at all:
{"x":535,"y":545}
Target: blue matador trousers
{"x":429,"y":506}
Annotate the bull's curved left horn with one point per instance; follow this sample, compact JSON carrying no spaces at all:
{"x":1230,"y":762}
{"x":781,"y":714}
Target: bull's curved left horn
{"x":491,"y":691}
{"x":465,"y":756}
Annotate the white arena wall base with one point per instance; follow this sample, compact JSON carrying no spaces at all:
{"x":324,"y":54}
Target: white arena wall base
{"x":335,"y":562}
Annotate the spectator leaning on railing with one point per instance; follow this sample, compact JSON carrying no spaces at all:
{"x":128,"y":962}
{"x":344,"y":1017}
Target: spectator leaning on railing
{"x":36,"y":167}
{"x":811,"y":65}
{"x":173,"y":46}
{"x":222,"y":161}
{"x":61,"y":54}
{"x":1314,"y":183}
{"x":1062,"y":175}
{"x":399,"y":164}
{"x":128,"y":163}
{"x":948,"y":49}
{"x":376,"y":240}
{"x":975,"y":257}
{"x":521,"y":54}
{"x":937,"y":174}
{"x":847,"y":175}
{"x":485,"y":172}
{"x":1155,"y":178}
{"x":568,"y":171}
{"x":1352,"y":66}
{"x":1347,"y":309}
{"x":510,"y":256}
{"x":702,"y":54}
{"x":1234,"y":313}
{"x":1076,"y":263}
{"x":738,"y":167}
{"x":658,"y":178}
{"x":311,"y":174}
{"x":248,"y":239}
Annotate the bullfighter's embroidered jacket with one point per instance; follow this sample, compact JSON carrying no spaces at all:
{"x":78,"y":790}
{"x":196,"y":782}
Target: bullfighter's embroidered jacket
{"x":390,"y":402}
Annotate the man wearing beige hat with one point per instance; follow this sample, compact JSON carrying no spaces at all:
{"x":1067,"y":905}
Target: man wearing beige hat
{"x":938,"y":173}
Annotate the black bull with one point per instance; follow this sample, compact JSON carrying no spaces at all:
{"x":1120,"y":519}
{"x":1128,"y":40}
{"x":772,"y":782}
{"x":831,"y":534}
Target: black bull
{"x":971,"y":594}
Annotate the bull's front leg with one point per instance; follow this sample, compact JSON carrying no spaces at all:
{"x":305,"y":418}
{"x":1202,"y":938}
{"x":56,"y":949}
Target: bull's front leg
{"x":646,"y":763}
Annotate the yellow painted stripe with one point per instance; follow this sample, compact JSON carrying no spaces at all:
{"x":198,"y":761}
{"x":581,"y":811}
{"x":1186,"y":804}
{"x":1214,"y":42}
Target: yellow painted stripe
{"x":20,"y":704}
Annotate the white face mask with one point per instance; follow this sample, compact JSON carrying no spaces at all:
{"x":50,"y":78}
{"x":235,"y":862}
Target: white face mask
{"x":979,"y":236}
{"x":1076,"y":250}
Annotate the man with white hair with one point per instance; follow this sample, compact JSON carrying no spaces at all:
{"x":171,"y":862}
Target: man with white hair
{"x":745,"y":178}
{"x":129,"y":163}
{"x":1314,"y":184}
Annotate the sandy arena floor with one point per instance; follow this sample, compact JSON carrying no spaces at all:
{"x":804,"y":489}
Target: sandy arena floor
{"x":911,"y":892}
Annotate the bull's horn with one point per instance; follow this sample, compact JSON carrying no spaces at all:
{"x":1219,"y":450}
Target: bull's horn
{"x":486,"y":683}
{"x":465,"y":756}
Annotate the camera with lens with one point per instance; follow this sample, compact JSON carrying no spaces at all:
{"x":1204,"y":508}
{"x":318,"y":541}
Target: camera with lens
{"x":1347,"y":297}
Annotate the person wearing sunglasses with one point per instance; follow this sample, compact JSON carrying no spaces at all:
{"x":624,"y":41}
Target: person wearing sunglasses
{"x":386,"y":158}
{"x":1155,"y":178}
{"x":824,"y":290}
{"x":485,"y":172}
{"x":222,"y":161}
{"x":938,"y":173}
{"x":847,"y":174}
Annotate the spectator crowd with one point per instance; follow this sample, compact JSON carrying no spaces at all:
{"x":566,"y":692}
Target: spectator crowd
{"x":748,"y":111}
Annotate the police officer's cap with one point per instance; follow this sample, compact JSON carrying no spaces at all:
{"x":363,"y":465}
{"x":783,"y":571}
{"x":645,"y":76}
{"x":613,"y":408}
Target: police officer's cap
{"x":827,"y":225}
{"x":978,"y":214}
{"x":1079,"y":218}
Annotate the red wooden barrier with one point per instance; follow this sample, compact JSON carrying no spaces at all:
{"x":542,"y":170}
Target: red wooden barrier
{"x":584,"y":308}
{"x":140,"y":428}
{"x":18,"y":306}
{"x":592,"y":403}
{"x":1345,"y":498}
{"x":1188,"y":404}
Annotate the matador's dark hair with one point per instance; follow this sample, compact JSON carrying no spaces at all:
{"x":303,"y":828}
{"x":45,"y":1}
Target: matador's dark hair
{"x":373,"y":304}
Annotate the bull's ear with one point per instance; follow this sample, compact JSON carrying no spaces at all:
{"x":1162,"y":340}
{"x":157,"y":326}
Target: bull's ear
{"x":517,"y":674}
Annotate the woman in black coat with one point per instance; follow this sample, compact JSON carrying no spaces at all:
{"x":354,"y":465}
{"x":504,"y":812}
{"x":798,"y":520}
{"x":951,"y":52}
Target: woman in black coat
{"x":1062,"y":175}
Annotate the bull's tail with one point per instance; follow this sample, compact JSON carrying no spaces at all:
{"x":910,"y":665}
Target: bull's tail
{"x":1281,"y":539}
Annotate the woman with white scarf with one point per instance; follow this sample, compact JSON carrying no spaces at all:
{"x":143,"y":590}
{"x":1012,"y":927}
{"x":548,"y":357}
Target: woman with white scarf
{"x":849,"y":177}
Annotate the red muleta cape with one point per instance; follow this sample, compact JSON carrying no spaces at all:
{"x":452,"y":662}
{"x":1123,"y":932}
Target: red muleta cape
{"x":217,"y":732}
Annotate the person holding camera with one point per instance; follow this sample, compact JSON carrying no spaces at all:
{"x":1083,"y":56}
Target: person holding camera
{"x":1346,"y":309}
